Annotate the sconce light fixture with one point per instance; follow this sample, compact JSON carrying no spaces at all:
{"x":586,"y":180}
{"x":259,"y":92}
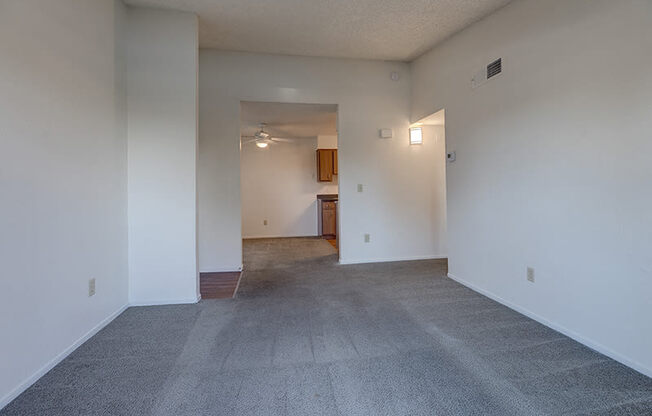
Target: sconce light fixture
{"x":416,"y":135}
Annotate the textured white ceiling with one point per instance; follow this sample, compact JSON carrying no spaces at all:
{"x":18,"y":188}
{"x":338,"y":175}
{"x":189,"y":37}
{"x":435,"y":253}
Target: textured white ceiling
{"x":372,"y":29}
{"x":288,"y":120}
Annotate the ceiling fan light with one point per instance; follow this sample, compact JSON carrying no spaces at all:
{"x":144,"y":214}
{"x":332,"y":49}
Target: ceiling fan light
{"x":262,"y":135}
{"x":262,"y":145}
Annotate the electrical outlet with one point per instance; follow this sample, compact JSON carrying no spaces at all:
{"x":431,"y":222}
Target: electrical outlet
{"x":367,"y":238}
{"x":530,"y":274}
{"x":91,"y":287}
{"x":359,"y":187}
{"x":264,"y":222}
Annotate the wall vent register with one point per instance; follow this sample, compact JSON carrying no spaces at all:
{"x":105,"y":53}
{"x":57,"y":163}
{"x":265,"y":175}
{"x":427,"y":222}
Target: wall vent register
{"x":485,"y":74}
{"x":494,"y":68}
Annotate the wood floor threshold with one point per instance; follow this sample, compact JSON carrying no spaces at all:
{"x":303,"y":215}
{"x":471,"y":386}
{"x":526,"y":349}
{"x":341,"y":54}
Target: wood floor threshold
{"x":219,"y":285}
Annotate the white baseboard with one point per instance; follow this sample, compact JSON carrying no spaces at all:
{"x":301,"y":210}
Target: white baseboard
{"x":56,"y":360}
{"x":257,"y":237}
{"x":390,"y":259}
{"x":165,"y":302}
{"x":227,"y":269}
{"x":559,"y":328}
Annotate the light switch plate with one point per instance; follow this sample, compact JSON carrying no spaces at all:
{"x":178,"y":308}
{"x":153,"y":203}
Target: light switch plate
{"x":359,"y":187}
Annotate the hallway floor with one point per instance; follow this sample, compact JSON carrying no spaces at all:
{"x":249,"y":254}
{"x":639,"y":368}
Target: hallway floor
{"x":306,"y":336}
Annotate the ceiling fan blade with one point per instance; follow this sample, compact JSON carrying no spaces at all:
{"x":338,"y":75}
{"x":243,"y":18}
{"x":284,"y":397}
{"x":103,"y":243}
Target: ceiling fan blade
{"x":293,"y":138}
{"x":250,"y":140}
{"x":280,"y":139}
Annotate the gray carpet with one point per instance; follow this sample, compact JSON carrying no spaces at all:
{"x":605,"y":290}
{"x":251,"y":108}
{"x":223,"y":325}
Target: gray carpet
{"x":306,"y":336}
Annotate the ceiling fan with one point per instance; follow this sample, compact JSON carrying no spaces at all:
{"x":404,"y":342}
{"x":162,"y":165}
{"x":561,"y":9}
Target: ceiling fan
{"x":262,"y":138}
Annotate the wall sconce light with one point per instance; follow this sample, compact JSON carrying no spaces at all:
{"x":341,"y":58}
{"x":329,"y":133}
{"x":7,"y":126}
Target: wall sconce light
{"x":416,"y":135}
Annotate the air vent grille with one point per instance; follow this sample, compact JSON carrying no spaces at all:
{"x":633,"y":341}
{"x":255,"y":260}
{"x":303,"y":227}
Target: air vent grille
{"x":494,"y":68}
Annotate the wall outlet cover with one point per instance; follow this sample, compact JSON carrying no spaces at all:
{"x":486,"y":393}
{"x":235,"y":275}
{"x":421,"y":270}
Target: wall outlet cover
{"x":530,"y":274}
{"x":91,"y":287}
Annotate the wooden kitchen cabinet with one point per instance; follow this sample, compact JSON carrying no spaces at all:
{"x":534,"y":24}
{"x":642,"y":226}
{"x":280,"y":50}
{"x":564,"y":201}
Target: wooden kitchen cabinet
{"x":329,"y":219}
{"x":326,"y":164}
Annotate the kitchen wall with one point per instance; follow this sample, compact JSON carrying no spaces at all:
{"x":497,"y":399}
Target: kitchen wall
{"x":63,"y":180}
{"x":393,"y":206}
{"x":553,"y":165}
{"x":162,"y":128}
{"x":279,"y":184}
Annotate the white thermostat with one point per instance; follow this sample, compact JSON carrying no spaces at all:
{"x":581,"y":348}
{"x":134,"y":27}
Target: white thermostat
{"x":386,"y":133}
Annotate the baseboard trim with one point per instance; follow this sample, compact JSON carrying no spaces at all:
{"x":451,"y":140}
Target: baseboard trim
{"x":228,"y":269}
{"x":559,"y":328}
{"x":56,"y":360}
{"x":258,"y":237}
{"x":391,"y":259}
{"x":165,"y":302}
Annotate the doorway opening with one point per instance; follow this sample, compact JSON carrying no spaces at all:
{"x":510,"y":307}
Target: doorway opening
{"x":430,"y":132}
{"x":288,"y":177}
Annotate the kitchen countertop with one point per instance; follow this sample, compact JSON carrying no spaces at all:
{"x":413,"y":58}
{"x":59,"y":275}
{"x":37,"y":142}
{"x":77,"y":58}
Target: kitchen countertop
{"x":327,"y":197}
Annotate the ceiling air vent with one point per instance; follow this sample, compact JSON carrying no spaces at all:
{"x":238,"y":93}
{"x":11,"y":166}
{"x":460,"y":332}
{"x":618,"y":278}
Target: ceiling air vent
{"x":484,"y":74}
{"x":494,"y":68}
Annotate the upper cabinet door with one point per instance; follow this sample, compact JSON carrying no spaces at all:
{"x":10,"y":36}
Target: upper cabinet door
{"x":324,"y":165}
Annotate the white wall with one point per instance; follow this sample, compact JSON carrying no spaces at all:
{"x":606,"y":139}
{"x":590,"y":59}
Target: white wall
{"x":162,"y":127}
{"x":554,"y":164}
{"x":326,"y":142}
{"x":63,"y":180}
{"x":392,"y":208}
{"x":433,"y":183}
{"x":279,"y":184}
